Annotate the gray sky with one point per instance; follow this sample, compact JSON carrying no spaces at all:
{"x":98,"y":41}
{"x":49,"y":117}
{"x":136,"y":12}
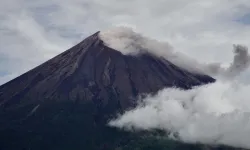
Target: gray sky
{"x":31,"y":32}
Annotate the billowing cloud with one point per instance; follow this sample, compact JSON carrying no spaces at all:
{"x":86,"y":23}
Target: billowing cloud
{"x":216,"y":114}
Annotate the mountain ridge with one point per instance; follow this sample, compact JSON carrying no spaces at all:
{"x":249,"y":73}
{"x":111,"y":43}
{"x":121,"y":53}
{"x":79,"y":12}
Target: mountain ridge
{"x":92,"y":54}
{"x":65,"y":103}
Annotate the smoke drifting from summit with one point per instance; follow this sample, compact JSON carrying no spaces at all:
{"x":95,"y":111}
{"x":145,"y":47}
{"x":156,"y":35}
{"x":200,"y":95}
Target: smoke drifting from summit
{"x":217,"y":113}
{"x":240,"y":62}
{"x":128,"y":42}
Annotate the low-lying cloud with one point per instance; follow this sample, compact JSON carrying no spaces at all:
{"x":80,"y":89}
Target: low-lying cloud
{"x":217,"y":113}
{"x":129,"y":42}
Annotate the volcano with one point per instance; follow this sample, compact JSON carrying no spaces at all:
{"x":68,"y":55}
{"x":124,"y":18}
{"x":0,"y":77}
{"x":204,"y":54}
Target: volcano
{"x":66,"y":102}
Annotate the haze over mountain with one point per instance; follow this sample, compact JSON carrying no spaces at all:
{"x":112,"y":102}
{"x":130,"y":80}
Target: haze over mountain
{"x":67,"y":101}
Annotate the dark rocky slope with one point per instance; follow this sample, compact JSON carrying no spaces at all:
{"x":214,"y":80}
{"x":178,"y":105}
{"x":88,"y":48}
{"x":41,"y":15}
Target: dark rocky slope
{"x":90,"y":71}
{"x":66,"y":102}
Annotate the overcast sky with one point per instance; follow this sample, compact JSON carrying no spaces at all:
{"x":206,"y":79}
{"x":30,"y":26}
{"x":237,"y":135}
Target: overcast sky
{"x":31,"y":31}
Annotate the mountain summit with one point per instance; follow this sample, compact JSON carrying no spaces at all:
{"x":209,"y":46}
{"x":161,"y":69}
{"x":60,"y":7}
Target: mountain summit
{"x":92,"y":71}
{"x":67,"y":101}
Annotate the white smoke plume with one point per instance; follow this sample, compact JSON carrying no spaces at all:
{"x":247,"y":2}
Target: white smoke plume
{"x":217,"y":113}
{"x":128,"y":42}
